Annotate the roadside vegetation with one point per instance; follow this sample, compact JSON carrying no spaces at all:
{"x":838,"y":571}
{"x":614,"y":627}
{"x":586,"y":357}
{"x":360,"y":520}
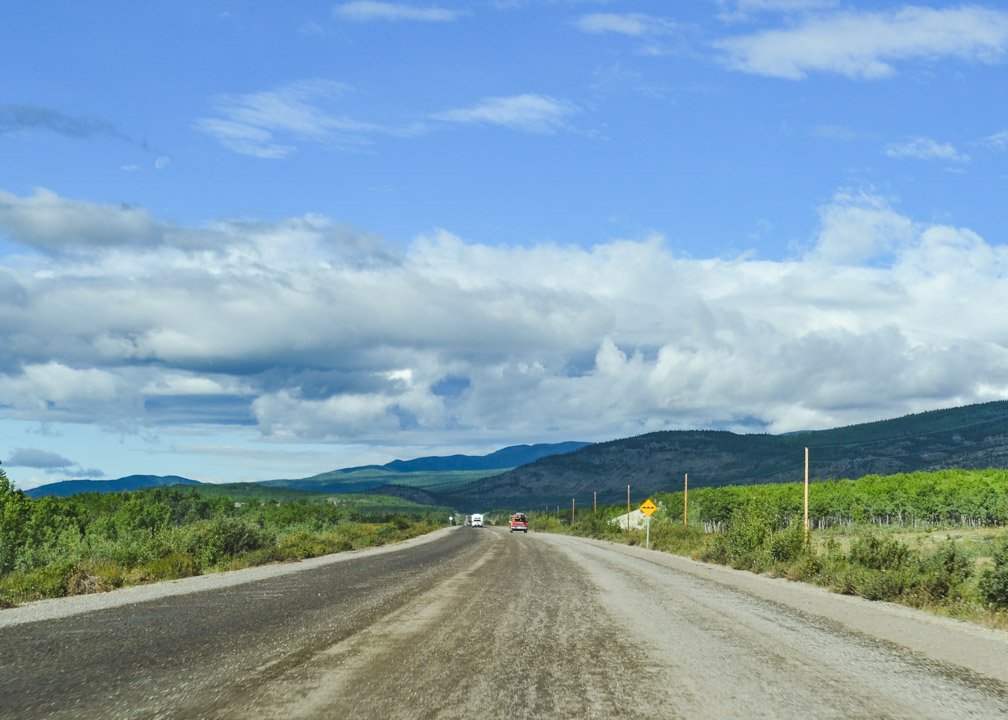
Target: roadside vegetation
{"x":51,"y":547}
{"x":936,"y":541}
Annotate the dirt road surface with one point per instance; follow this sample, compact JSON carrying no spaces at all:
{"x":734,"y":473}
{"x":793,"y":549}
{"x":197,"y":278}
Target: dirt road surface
{"x":479,"y":622}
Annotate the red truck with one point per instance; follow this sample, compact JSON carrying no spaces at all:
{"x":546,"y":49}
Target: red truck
{"x":519,"y":522}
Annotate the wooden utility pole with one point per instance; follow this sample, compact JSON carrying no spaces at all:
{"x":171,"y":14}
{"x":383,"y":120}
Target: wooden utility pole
{"x":628,"y":508}
{"x":595,"y":501}
{"x":685,"y":492}
{"x":806,"y":496}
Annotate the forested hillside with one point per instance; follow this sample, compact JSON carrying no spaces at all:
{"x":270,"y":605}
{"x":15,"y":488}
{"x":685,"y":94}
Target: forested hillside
{"x":972,"y":437}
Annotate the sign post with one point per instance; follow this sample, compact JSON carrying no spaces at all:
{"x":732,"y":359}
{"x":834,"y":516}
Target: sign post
{"x":647,"y":508}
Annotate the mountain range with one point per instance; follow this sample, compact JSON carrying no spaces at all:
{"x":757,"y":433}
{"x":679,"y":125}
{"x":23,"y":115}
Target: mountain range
{"x":532,"y":476}
{"x":65,"y":488}
{"x":970,"y":437}
{"x":346,"y":480}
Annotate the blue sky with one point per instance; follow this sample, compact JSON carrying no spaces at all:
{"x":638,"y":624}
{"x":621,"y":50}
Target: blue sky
{"x":259,"y":240}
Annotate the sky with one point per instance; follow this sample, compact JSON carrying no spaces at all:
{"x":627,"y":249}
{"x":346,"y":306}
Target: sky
{"x":258,"y":240}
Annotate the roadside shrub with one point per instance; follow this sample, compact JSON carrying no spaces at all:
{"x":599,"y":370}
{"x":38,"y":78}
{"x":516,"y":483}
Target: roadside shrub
{"x":807,"y":568}
{"x":399,"y":522}
{"x":875,"y":553}
{"x":749,"y":536}
{"x":225,"y":538}
{"x":172,"y":566}
{"x":943,"y":573}
{"x":877,"y":584}
{"x":300,"y":545}
{"x":994,"y":581}
{"x":876,"y":568}
{"x":788,"y":544}
{"x":714,"y":550}
{"x":676,"y":538}
{"x":47,"y":582}
{"x":596,"y":524}
{"x":83,"y":582}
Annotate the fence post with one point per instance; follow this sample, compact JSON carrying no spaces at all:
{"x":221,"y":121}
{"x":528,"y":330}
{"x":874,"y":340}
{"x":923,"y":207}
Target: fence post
{"x":806,"y":496}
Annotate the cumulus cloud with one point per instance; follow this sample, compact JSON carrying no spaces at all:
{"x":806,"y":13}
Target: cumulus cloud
{"x":858,"y":227}
{"x":869,"y":44}
{"x":49,"y":222}
{"x":42,"y":459}
{"x":306,"y":331}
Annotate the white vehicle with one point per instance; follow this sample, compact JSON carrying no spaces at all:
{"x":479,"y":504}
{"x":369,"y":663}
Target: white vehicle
{"x":477,"y":520}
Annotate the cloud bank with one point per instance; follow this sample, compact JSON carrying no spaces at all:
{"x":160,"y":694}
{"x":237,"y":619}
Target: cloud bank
{"x":308,"y":331}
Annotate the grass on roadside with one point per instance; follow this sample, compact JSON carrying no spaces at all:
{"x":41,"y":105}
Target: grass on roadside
{"x":957,"y":572}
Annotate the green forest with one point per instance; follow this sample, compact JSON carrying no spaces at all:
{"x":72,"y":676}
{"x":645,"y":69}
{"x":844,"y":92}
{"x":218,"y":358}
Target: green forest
{"x":948,"y":498}
{"x":91,"y":542}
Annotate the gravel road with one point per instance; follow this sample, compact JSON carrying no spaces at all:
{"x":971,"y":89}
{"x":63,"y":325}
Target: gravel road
{"x":470,"y":622}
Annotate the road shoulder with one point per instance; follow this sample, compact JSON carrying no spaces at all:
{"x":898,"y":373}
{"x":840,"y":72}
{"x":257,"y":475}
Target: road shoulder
{"x":940,"y":639}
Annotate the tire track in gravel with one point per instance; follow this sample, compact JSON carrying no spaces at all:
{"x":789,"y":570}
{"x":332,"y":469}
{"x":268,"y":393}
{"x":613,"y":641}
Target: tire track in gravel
{"x":519,"y":634}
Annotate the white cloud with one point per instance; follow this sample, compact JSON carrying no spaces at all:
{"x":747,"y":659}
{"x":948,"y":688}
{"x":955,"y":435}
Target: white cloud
{"x":529,"y":113}
{"x":867,"y":44}
{"x":64,"y":393}
{"x":370,"y":10}
{"x":30,"y":457}
{"x":48,"y":221}
{"x":744,"y":9}
{"x":632,"y":24}
{"x":923,"y":148}
{"x":859,"y":227}
{"x":267,"y":124}
{"x":305,"y":331}
{"x":997,"y":141}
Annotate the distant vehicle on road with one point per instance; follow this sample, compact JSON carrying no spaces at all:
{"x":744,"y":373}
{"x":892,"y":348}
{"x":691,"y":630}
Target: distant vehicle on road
{"x":477,"y":520}
{"x":519,"y":522}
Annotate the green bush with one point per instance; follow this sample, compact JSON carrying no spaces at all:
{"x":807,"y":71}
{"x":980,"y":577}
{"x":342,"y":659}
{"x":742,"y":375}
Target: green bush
{"x":943,"y":573}
{"x":787,"y":544}
{"x":876,"y":553}
{"x":994,"y":581}
{"x":47,"y":582}
{"x":226,"y":538}
{"x":171,"y":566}
{"x":876,"y":584}
{"x":677,"y":538}
{"x":749,"y":535}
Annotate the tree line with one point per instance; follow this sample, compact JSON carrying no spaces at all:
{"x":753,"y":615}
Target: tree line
{"x":89,"y":542}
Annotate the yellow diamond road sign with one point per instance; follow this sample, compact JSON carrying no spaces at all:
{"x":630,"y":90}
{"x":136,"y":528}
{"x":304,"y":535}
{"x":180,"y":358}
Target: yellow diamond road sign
{"x":648,"y":507}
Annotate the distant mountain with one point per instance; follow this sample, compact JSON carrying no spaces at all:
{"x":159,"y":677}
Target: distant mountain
{"x":439,"y":473}
{"x":508,"y":457}
{"x":132,"y":482}
{"x":975,"y":436}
